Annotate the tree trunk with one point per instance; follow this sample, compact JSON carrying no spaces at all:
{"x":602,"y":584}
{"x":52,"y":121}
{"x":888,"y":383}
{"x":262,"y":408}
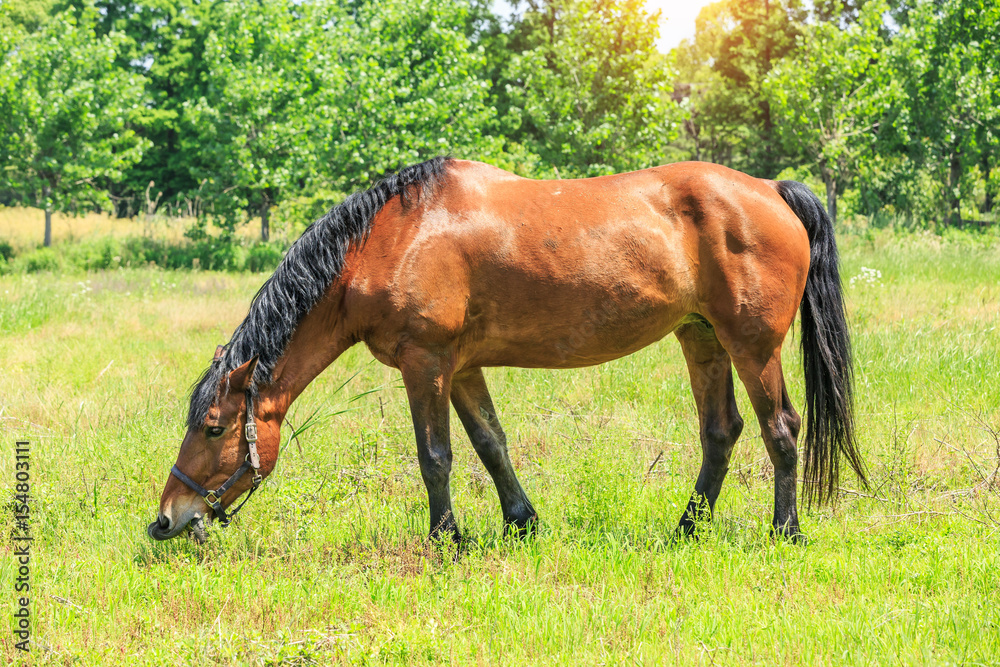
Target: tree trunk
{"x":831,"y":192}
{"x":692,"y":129}
{"x":988,"y":203}
{"x":46,"y":191}
{"x":954,"y":179}
{"x":265,"y":229}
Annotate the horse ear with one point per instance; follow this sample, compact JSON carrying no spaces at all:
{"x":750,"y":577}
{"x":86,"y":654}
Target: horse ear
{"x":241,"y":378}
{"x":219,"y":351}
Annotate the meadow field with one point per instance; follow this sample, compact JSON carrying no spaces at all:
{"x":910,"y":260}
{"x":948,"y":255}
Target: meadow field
{"x":329,"y":563}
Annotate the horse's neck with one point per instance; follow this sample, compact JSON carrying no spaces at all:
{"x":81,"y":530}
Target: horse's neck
{"x":317,"y":342}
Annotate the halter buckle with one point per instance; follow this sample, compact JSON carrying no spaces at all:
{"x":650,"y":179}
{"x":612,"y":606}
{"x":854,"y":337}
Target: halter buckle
{"x":212,"y":499}
{"x":251,"y":431}
{"x":253,"y":458}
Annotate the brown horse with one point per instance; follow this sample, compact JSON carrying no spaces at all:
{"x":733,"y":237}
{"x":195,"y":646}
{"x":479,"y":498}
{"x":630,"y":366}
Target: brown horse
{"x":447,"y":267}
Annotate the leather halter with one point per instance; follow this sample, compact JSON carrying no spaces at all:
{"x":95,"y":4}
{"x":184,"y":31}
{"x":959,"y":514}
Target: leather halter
{"x":214,"y":498}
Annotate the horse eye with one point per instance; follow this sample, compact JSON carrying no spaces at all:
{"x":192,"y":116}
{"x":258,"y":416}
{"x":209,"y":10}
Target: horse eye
{"x":215,"y":431}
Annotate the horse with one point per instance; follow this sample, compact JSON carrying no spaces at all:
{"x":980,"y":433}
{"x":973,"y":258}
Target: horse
{"x":447,"y":267}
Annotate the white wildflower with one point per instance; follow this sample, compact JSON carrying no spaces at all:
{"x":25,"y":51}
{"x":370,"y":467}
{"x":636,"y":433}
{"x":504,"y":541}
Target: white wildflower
{"x":868,"y":277}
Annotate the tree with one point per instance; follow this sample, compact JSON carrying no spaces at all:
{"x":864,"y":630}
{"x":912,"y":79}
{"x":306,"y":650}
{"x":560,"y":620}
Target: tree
{"x":722,"y":71}
{"x":589,"y":93}
{"x":67,"y":111}
{"x":26,"y":15}
{"x":164,"y":41}
{"x":403,"y":84}
{"x":829,"y":97}
{"x":249,"y":134}
{"x":950,"y":55}
{"x":311,"y":100}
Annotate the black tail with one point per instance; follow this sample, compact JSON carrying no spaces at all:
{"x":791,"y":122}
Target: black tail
{"x":826,"y":353}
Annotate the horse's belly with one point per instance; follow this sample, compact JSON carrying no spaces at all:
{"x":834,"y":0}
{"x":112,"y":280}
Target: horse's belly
{"x":569,"y":329}
{"x":576,"y":298}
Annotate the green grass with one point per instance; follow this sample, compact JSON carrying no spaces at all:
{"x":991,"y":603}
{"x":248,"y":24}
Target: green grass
{"x":329,"y":563}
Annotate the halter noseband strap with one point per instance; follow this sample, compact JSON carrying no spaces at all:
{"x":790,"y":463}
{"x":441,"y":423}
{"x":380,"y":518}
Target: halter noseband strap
{"x":214,"y":498}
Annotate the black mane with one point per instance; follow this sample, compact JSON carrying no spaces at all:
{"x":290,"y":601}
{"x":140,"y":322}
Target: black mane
{"x":301,"y":279}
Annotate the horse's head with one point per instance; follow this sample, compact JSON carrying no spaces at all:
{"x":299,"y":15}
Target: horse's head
{"x":220,"y":458}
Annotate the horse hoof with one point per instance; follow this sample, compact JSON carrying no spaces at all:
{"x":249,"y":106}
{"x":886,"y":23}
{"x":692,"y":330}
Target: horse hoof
{"x":789,"y":534}
{"x":521,"y":528}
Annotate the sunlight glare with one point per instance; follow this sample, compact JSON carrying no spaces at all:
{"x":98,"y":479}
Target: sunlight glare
{"x":676,"y":20}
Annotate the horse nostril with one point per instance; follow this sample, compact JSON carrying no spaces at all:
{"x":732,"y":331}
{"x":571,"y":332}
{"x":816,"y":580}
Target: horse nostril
{"x":160,"y":528}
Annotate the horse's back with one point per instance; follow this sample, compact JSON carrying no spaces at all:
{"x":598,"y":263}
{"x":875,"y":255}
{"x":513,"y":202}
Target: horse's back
{"x":710,"y":239}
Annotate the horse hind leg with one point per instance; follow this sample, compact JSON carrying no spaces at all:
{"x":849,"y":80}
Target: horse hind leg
{"x":474,"y":407}
{"x":720,"y":424}
{"x":779,"y":422}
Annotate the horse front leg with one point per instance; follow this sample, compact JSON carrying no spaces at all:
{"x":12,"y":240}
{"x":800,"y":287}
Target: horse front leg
{"x":475,"y":408}
{"x":427,"y":378}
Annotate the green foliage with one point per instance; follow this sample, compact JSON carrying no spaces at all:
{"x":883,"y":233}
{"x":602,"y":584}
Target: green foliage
{"x":25,"y":15}
{"x":829,"y":97}
{"x":164,"y":41}
{"x":263,"y":103}
{"x":225,"y":112}
{"x":402,"y":83}
{"x":263,"y":257}
{"x":67,"y":113}
{"x":589,"y":94}
{"x":248,"y":134}
{"x":140,"y":251}
{"x":947,"y":58}
{"x":37,"y":261}
{"x":722,"y":73}
{"x":895,"y":102}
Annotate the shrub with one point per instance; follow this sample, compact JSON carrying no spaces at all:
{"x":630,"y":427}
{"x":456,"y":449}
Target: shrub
{"x":137,"y":251}
{"x":226,"y":257}
{"x":103,"y":253}
{"x":263,"y":257}
{"x":36,"y":261}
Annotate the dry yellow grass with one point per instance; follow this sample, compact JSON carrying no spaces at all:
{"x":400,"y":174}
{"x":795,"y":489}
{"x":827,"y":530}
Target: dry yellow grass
{"x":23,"y":227}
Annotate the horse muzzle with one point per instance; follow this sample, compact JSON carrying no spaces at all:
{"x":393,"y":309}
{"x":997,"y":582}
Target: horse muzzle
{"x":164,"y":529}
